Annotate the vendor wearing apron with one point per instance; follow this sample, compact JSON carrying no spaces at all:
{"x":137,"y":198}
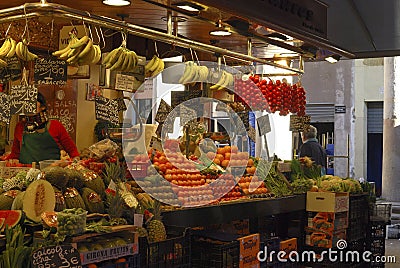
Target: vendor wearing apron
{"x":36,"y":138}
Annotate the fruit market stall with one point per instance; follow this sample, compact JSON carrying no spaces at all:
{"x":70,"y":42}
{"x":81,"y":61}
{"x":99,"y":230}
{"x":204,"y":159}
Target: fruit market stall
{"x":140,"y":194}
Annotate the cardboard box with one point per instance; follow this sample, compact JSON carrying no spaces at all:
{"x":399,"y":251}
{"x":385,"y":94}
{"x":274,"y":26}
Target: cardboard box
{"x":288,"y":246}
{"x":327,"y":202}
{"x":249,"y":247}
{"x":328,"y":221}
{"x":322,"y":239}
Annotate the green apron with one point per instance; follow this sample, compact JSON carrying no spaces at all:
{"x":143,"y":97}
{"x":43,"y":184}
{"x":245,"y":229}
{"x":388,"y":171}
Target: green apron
{"x":38,"y":146}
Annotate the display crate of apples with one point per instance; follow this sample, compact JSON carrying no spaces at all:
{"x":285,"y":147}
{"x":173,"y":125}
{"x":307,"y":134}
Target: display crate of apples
{"x":178,"y":181}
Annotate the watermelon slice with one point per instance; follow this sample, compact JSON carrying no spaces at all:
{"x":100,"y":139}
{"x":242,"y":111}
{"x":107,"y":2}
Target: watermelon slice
{"x":10,"y":218}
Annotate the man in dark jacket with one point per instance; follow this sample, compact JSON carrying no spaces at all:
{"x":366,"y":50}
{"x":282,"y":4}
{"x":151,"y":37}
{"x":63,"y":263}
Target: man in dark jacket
{"x":312,"y":148}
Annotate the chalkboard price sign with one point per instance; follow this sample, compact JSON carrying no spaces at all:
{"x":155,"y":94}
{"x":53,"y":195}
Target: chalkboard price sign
{"x":12,"y":71}
{"x":264,"y":125}
{"x":56,"y":256}
{"x":5,"y":108}
{"x":50,"y":71}
{"x":23,"y":99}
{"x":106,"y":109}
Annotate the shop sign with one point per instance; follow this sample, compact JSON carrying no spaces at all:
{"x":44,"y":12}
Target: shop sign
{"x":23,"y":99}
{"x":296,"y":15}
{"x":107,"y":110}
{"x":249,"y":248}
{"x":50,"y":71}
{"x":108,"y":254}
{"x":4,"y":108}
{"x":56,"y":256}
{"x":340,"y":109}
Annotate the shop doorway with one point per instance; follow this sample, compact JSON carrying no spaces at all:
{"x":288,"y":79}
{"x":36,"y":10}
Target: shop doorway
{"x":375,"y":144}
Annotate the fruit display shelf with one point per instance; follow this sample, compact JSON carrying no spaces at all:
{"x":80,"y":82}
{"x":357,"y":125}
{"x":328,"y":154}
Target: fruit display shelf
{"x":230,"y":211}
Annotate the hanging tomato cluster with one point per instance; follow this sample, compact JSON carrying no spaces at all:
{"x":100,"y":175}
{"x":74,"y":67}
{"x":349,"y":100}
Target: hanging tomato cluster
{"x":282,"y":96}
{"x":247,"y":93}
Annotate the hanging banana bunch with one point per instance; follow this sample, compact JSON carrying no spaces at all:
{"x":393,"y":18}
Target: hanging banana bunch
{"x":226,"y":80}
{"x":23,"y":52}
{"x":79,"y":51}
{"x":121,"y":59}
{"x":154,"y":67}
{"x":7,"y":50}
{"x":194,"y":73}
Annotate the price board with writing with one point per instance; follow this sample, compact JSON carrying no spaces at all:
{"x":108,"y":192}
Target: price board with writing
{"x":50,"y":71}
{"x":249,"y":248}
{"x":12,"y":71}
{"x":264,"y":125}
{"x":298,"y":123}
{"x":5,"y":108}
{"x":23,"y":99}
{"x":56,"y":256}
{"x":106,"y":109}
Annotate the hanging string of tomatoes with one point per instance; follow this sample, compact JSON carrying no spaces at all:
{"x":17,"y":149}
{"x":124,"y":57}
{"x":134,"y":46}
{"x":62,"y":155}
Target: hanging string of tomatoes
{"x":280,"y":96}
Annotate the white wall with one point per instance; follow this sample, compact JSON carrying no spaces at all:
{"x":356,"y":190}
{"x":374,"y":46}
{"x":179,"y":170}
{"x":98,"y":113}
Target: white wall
{"x":368,"y":87}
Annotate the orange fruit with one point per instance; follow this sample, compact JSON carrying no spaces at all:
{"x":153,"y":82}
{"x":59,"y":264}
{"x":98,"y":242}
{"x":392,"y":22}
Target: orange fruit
{"x":217,"y":161}
{"x":227,"y":149}
{"x":211,"y":155}
{"x":220,"y":157}
{"x":225,"y":163}
{"x":220,"y":150}
{"x":227,"y":156}
{"x":234,"y":149}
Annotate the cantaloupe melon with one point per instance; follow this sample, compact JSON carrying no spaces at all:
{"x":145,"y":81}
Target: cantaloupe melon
{"x":56,"y":175}
{"x":39,"y":197}
{"x":73,"y":199}
{"x":60,"y":200}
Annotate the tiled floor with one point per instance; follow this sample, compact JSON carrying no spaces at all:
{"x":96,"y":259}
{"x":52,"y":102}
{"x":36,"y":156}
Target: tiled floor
{"x":393,"y":249}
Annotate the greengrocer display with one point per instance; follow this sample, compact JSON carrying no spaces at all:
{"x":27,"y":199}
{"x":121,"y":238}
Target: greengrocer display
{"x":109,"y":204}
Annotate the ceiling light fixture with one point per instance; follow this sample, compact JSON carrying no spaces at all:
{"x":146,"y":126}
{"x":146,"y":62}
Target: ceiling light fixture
{"x":220,"y":30}
{"x":333,"y":58}
{"x":118,"y":3}
{"x":191,"y":7}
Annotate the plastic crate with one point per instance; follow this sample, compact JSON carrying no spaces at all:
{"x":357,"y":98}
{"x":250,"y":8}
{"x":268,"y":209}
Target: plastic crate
{"x":131,"y":262}
{"x":174,"y":252}
{"x":383,"y":210}
{"x":207,"y":251}
{"x":377,"y":228}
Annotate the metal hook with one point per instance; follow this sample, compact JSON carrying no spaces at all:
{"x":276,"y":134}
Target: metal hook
{"x":84,"y":26}
{"x":98,"y":36}
{"x":197,"y":59}
{"x":26,"y":29}
{"x":156,"y":49}
{"x":102,"y":38}
{"x":90,"y":27}
{"x":8,"y":29}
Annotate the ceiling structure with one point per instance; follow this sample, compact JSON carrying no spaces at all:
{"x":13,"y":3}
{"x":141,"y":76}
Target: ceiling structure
{"x":355,"y":28}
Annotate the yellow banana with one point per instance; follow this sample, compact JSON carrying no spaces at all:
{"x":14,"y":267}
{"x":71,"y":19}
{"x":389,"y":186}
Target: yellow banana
{"x":86,"y":50}
{"x":73,"y":39}
{"x":114,"y":57}
{"x":217,"y":86}
{"x":127,"y":61}
{"x":19,"y":50}
{"x":5,"y":47}
{"x":186,"y":72}
{"x":11,"y":52}
{"x":118,"y":64}
{"x":97,"y":58}
{"x":88,"y":58}
{"x":82,"y":41}
{"x":160,"y":67}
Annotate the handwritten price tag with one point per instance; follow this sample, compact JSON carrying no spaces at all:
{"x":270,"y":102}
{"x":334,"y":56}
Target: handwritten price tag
{"x":50,"y":71}
{"x":23,"y":99}
{"x":56,"y":256}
